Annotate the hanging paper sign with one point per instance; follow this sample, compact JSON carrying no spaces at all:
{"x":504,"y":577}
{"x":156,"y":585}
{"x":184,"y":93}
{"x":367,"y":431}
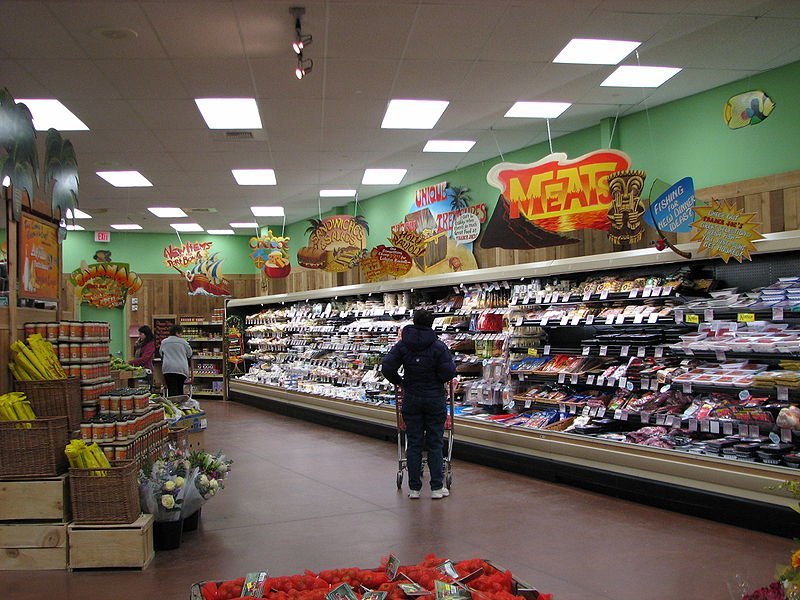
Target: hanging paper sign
{"x":385,"y":261}
{"x":270,"y":255}
{"x":335,"y":243}
{"x":466,"y":228}
{"x":626,"y":210}
{"x":105,"y":284}
{"x":202,"y":270}
{"x":540,"y":201}
{"x":38,"y":259}
{"x":674,"y":209}
{"x":749,"y":108}
{"x":725,"y":231}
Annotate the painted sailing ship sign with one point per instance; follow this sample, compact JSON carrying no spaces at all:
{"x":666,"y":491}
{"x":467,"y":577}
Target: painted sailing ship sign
{"x":201,"y":269}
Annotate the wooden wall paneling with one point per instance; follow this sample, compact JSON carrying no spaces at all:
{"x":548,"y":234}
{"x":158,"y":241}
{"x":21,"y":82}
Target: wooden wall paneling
{"x":791,"y":208}
{"x":776,"y":216}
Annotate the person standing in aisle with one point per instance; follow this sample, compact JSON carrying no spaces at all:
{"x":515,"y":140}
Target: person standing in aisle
{"x":144,"y":349}
{"x":427,"y":367}
{"x":175,"y":354}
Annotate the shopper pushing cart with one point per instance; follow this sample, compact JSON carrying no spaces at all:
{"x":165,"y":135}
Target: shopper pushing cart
{"x":427,"y":367}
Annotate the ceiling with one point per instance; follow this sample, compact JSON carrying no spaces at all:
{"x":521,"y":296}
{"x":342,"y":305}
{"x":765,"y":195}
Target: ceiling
{"x":136,"y":95}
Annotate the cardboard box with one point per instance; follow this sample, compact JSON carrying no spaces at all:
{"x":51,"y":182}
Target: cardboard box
{"x":117,"y":546}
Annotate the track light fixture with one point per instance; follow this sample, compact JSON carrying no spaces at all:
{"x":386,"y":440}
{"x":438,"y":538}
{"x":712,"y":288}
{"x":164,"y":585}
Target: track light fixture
{"x":300,"y":43}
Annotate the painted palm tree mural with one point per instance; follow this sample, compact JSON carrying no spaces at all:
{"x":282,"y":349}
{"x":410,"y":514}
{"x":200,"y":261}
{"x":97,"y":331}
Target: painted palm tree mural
{"x":61,"y":177}
{"x":18,"y":138}
{"x":458,"y":197}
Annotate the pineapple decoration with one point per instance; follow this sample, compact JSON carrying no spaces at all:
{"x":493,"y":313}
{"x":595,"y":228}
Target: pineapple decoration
{"x":106,"y":284}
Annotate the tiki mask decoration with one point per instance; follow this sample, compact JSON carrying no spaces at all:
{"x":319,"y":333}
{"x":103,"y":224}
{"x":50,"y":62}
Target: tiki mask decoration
{"x":626,"y":210}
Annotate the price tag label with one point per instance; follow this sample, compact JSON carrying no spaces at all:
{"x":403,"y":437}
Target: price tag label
{"x":566,"y":297}
{"x":720,"y":355}
{"x":624,"y":351}
{"x":562,"y":407}
{"x":745,"y":317}
{"x":573,"y":409}
{"x":786,"y":435}
{"x":618,"y":414}
{"x":660,"y":419}
{"x":638,"y":318}
{"x":548,"y":298}
{"x":586,"y":295}
{"x":620,"y":319}
{"x":688,"y":352}
{"x":644,"y":416}
{"x":633,"y":293}
{"x":777,"y":313}
{"x":585,"y":350}
{"x":573,"y":379}
{"x":727,"y":428}
{"x":589,"y":319}
{"x":623,"y":382}
{"x":601,"y":380}
{"x":519,"y":321}
{"x":666,"y":291}
{"x":604,"y":295}
{"x":610,"y":320}
{"x":601,"y":411}
{"x":645,"y":383}
{"x":546,"y":350}
{"x":743,"y":429}
{"x":783,"y":393}
{"x":526,"y":299}
{"x":555,"y":297}
{"x":678,"y":315}
{"x":533,"y":352}
{"x":590,"y":379}
{"x":691,"y":318}
{"x":658,"y":352}
{"x":593,"y":411}
{"x":647,"y":292}
{"x":528,"y":403}
{"x":522,"y":376}
{"x":656,"y":291}
{"x":603,"y":350}
{"x":652,"y":318}
{"x":692,"y":424}
{"x":565,"y":320}
{"x":561,"y":377}
{"x":753,"y":431}
{"x":612,"y":382}
{"x":641,"y":351}
{"x":576,"y":319}
{"x":708,"y":314}
{"x":704,"y":426}
{"x":713,"y":426}
{"x":623,"y":415}
{"x":545,"y":319}
{"x":687,"y":388}
{"x":585,"y":411}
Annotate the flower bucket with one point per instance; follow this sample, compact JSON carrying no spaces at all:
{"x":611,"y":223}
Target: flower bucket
{"x":167,"y":534}
{"x":192,"y":522}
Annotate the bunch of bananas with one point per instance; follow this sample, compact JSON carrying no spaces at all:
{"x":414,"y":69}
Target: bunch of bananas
{"x":36,"y":361}
{"x":86,"y":456}
{"x":192,"y":411}
{"x":15,"y":407}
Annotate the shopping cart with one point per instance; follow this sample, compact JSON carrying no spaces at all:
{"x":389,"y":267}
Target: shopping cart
{"x":402,"y":440}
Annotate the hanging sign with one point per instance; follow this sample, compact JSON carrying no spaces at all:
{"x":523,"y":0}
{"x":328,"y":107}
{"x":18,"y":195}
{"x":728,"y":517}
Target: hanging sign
{"x":385,"y":261}
{"x":270,"y":255}
{"x":201,"y":269}
{"x":335,"y":244}
{"x":749,"y":108}
{"x":105,"y":284}
{"x":725,"y":231}
{"x":673,"y":210}
{"x":38,"y":259}
{"x":626,"y":210}
{"x":540,"y":201}
{"x":466,"y":228}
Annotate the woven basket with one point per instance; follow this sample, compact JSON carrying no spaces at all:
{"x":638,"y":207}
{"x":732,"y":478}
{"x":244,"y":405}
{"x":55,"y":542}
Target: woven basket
{"x":33,"y":449}
{"x":560,"y":425}
{"x":55,"y":398}
{"x":113,"y":498}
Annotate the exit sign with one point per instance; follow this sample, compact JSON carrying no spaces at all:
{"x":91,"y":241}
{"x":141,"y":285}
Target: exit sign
{"x":102,"y":236}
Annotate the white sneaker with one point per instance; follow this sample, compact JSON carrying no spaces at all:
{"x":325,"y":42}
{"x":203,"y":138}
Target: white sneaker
{"x":440,"y":493}
{"x":413,"y":494}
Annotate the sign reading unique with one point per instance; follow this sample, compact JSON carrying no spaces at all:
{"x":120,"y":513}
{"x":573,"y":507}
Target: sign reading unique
{"x":673,"y":210}
{"x":105,"y":284}
{"x":38,"y":259}
{"x":202,"y":270}
{"x":626,"y":210}
{"x":335,"y":243}
{"x":385,"y":261}
{"x":270,"y":255}
{"x":540,"y":201}
{"x":726,"y":231}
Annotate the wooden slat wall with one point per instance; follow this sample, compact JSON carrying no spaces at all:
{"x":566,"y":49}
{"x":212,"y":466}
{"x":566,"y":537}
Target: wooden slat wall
{"x":775,"y":199}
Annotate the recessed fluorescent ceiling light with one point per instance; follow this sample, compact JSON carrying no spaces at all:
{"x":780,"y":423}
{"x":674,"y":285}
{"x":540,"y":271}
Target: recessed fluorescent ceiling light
{"x":448,"y":146}
{"x":537,"y":110}
{"x":229,"y":113}
{"x":254,"y":176}
{"x":243,"y":225}
{"x":595,"y":52}
{"x":77,"y":214}
{"x":165,"y":212}
{"x":413,"y":114}
{"x":337,"y":193}
{"x":126,"y":226}
{"x":125,"y":178}
{"x":220,"y":231}
{"x":49,"y":113}
{"x":74,"y":228}
{"x":633,"y":76}
{"x":267,"y":211}
{"x":186,"y":227}
{"x":383,"y":176}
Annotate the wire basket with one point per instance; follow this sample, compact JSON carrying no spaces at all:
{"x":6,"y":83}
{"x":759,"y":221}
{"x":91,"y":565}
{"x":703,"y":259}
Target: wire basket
{"x":33,"y":449}
{"x":55,"y":398}
{"x":105,"y":495}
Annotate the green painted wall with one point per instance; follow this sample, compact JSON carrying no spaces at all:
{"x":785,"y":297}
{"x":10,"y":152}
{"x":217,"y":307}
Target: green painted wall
{"x":144,"y":250}
{"x":115,"y":317}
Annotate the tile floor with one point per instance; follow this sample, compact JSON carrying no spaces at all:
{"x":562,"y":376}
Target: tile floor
{"x":306,"y":496}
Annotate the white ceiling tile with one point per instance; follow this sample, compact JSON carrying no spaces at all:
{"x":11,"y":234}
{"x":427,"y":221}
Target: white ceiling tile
{"x":619,"y":95}
{"x":267,"y":27}
{"x":349,"y":78}
{"x":646,"y":6}
{"x":357,"y":113}
{"x":201,"y":28}
{"x":436,"y":31}
{"x":20,"y":82}
{"x":694,"y":80}
{"x":169,"y":114}
{"x":496,"y":81}
{"x":142,"y":161}
{"x":30,"y":31}
{"x":72,"y":78}
{"x":784,"y":9}
{"x":144,"y":78}
{"x":754,"y":8}
{"x":275,"y":78}
{"x":430,"y":79}
{"x":301,"y":113}
{"x":637,"y":26}
{"x":122,"y":141}
{"x":81,"y":19}
{"x":215,"y":77}
{"x":565,"y":83}
{"x":106,"y":114}
{"x":373,"y":30}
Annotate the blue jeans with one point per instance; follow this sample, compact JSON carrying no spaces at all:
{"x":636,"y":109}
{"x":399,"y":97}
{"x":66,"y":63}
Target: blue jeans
{"x":424,"y":417}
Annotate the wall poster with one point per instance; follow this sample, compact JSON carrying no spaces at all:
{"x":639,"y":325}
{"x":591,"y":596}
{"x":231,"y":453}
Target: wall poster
{"x":39,"y":266}
{"x":270,"y":255}
{"x":335,"y":244}
{"x":542,"y":201}
{"x":105,"y":284}
{"x":725,"y":231}
{"x":201,"y":269}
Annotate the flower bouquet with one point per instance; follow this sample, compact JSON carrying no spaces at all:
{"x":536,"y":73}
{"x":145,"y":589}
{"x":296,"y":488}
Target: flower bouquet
{"x":209,"y":472}
{"x":162,"y":486}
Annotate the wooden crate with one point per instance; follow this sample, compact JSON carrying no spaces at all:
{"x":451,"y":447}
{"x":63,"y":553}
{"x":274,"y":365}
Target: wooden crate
{"x":34,"y":547}
{"x":115,"y":546}
{"x":196,"y":440}
{"x":35,"y":500}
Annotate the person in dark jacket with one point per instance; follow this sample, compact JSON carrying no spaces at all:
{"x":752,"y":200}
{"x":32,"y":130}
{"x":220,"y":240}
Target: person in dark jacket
{"x":427,"y":367}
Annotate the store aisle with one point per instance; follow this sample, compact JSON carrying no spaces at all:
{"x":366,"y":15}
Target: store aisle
{"x":306,"y":496}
